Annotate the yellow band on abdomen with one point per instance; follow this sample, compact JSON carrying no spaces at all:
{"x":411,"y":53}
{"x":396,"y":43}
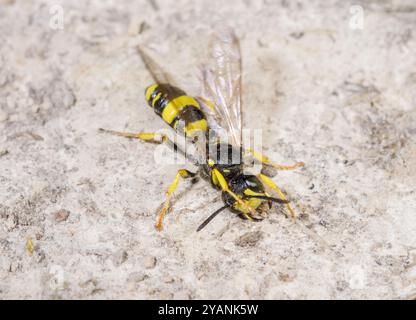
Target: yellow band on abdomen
{"x":176,"y":105}
{"x":149,"y":91}
{"x":199,"y":125}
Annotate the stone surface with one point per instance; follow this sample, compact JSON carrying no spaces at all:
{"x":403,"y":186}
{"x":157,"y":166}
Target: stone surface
{"x":149,"y":262}
{"x":61,"y":215}
{"x":324,"y":89}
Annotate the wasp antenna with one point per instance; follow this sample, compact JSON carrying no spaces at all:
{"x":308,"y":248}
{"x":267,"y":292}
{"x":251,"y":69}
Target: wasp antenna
{"x":212,"y":216}
{"x":270,"y":199}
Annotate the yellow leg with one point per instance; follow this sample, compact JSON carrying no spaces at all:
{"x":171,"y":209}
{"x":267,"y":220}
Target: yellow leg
{"x":224,"y":187}
{"x":182,"y":173}
{"x":270,"y":183}
{"x":148,"y":137}
{"x":157,"y":138}
{"x":265,"y":160}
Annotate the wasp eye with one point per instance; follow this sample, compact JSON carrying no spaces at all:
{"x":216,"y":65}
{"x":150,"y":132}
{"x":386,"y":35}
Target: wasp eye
{"x":251,"y":183}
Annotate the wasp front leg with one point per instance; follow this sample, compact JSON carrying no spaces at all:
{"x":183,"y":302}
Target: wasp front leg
{"x":182,"y":173}
{"x":266,"y":161}
{"x":224,"y":187}
{"x":272,"y":185}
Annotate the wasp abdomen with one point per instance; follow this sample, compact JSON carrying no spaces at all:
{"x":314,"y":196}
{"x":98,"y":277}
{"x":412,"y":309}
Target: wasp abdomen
{"x":174,"y":106}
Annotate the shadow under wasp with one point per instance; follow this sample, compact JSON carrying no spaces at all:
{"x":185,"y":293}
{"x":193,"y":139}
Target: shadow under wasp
{"x":200,"y":120}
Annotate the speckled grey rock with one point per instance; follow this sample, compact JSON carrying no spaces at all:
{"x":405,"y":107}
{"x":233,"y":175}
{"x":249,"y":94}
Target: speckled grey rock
{"x":325,"y":89}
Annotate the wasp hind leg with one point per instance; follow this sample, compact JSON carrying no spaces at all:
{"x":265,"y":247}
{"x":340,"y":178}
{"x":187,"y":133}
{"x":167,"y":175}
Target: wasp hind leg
{"x":157,"y":138}
{"x":272,"y":185}
{"x":182,"y":173}
{"x":144,"y":136}
{"x":266,"y":161}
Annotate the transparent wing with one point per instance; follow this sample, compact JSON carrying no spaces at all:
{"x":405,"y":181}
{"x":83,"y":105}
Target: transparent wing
{"x":159,"y":75}
{"x":221,"y":77}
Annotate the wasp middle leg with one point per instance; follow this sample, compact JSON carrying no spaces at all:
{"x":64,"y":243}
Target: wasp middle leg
{"x":266,"y":161}
{"x":182,"y":173}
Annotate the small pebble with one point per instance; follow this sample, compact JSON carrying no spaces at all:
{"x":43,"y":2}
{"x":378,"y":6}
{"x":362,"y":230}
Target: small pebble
{"x":229,"y":246}
{"x":46,"y":105}
{"x":168,"y":279}
{"x":165,"y":295}
{"x":35,"y":108}
{"x":134,"y":27}
{"x":61,"y":215}
{"x":249,"y":239}
{"x":137,"y":277}
{"x":15,"y":117}
{"x":14,"y":266}
{"x":284,"y":277}
{"x":119,"y":257}
{"x":149,"y":262}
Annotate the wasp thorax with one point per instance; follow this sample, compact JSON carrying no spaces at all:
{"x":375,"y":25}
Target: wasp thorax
{"x":225,"y":154}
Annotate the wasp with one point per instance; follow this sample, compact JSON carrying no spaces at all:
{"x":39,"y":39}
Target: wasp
{"x":200,"y":119}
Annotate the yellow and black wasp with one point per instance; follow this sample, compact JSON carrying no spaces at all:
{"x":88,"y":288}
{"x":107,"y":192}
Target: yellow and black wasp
{"x":200,"y":120}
